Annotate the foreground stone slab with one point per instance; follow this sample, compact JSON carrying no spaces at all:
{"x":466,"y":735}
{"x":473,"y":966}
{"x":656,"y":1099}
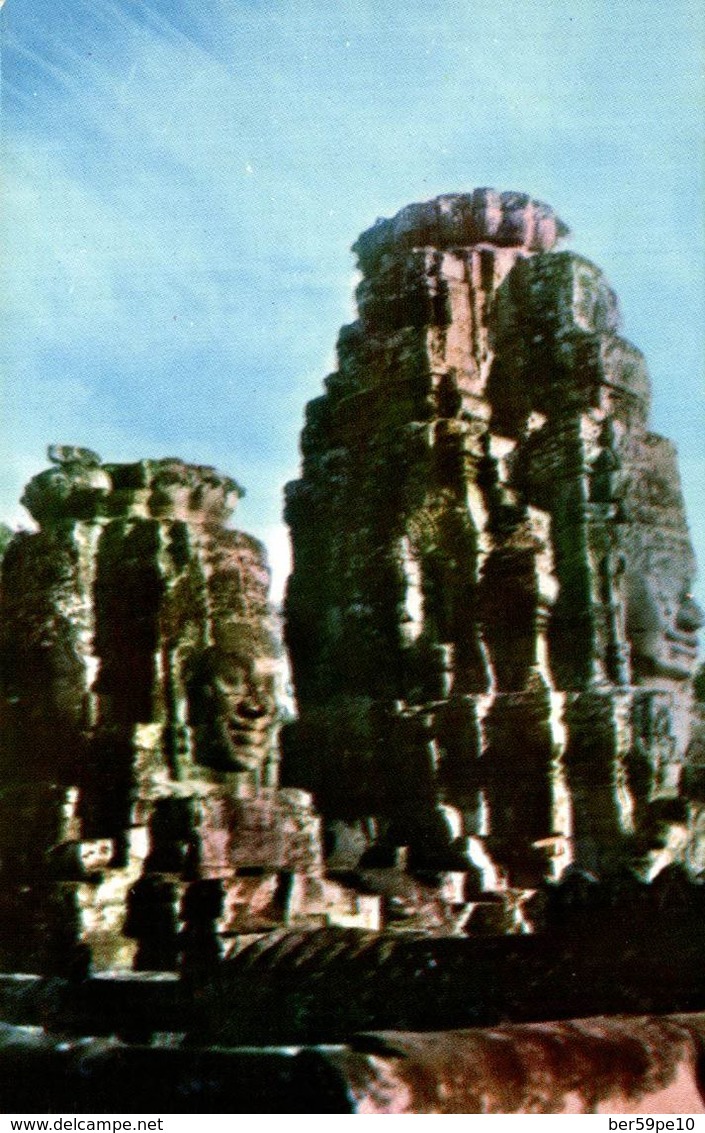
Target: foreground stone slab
{"x":598,"y":1065}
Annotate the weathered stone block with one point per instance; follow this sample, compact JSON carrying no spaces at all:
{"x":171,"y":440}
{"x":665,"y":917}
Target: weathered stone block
{"x":274,"y":830}
{"x":492,"y":542}
{"x":141,"y":665}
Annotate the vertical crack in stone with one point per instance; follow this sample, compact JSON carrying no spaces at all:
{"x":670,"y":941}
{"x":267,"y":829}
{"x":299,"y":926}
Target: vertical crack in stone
{"x":544,"y":563}
{"x":143,"y":689}
{"x":489,"y":620}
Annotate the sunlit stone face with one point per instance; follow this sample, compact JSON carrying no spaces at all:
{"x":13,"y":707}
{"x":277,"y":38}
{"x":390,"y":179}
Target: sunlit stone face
{"x":244,"y":698}
{"x":194,"y":493}
{"x":663,"y":618}
{"x":216,"y":499}
{"x":73,"y":490}
{"x":171,"y":491}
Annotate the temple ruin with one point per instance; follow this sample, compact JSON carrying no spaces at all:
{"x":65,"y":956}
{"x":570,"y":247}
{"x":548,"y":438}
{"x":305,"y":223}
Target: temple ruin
{"x":489,"y":619}
{"x":488,"y":785}
{"x":143,"y":687}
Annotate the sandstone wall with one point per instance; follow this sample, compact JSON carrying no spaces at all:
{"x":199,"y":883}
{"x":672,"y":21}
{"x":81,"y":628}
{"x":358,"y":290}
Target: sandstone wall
{"x":489,"y":618}
{"x":143,"y":687}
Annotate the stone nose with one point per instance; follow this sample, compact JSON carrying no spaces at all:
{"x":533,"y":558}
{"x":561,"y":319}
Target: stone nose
{"x":250,"y":709}
{"x":690,"y":616}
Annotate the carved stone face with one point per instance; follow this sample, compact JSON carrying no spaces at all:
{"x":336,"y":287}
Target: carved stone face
{"x":245,"y":699}
{"x":194,"y":493}
{"x":662,"y":616}
{"x":215,"y":496}
{"x":172,"y":486}
{"x":67,"y":490}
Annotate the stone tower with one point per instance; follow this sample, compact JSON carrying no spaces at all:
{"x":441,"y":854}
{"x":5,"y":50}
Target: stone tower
{"x":143,"y":686}
{"x":489,"y":617}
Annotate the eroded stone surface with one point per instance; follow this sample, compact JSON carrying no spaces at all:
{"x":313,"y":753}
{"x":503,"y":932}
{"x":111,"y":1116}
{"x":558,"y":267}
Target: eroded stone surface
{"x":587,"y":1066}
{"x":641,"y":1065}
{"x":489,"y":618}
{"x":143,"y":689}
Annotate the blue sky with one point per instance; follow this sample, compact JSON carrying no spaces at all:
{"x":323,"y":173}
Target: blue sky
{"x":184,"y":180}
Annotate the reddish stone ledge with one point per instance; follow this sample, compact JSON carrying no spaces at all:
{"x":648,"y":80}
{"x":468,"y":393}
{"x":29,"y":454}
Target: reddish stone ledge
{"x":604,"y":1065}
{"x":599,"y":1065}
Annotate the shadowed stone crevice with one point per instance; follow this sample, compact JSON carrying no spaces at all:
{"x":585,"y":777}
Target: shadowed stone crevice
{"x":143,"y":688}
{"x":489,"y":804}
{"x":487,"y":433}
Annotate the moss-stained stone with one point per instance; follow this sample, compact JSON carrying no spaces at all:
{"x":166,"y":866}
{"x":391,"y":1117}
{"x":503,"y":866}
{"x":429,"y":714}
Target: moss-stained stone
{"x":489,"y":610}
{"x":143,"y":688}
